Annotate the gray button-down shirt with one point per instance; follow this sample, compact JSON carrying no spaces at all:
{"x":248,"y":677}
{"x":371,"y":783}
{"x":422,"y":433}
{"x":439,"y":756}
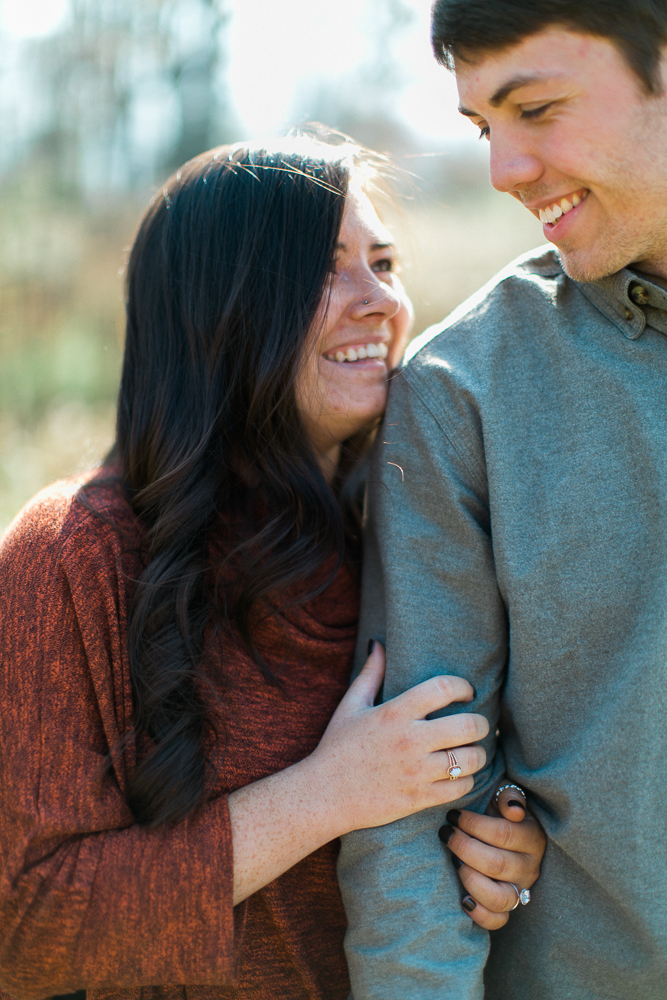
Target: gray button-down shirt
{"x":517,"y":536}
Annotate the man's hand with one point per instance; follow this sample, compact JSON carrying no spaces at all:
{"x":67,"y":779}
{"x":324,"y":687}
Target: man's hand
{"x":491,"y":852}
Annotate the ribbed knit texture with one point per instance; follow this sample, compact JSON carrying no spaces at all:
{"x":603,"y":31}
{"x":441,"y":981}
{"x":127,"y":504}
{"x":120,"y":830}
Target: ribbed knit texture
{"x":89,"y":899}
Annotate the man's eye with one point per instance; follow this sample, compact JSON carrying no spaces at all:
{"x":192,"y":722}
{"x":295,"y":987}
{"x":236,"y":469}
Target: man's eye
{"x":535,"y":112}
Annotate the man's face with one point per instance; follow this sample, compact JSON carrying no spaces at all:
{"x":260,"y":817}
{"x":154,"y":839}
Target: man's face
{"x":575,"y":137}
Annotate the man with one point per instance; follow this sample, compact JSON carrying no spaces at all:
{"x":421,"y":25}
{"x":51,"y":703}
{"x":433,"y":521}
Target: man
{"x":518,"y":526}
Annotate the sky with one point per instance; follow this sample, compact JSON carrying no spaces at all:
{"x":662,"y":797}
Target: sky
{"x":279,"y":47}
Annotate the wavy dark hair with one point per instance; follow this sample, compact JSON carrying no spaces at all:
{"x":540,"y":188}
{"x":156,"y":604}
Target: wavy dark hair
{"x":224,"y":280}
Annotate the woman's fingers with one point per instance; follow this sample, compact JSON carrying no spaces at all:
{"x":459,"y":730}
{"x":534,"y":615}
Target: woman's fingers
{"x":496,"y":897}
{"x":437,"y":692}
{"x":511,"y":803}
{"x":508,"y":835}
{"x":507,"y":865}
{"x":363,"y":690}
{"x":481,"y":916}
{"x":469,"y":759}
{"x":454,"y":731}
{"x":379,"y":763}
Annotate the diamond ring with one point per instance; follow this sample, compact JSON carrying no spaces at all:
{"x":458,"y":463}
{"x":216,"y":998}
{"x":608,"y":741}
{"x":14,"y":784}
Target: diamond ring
{"x":509,"y":785}
{"x":454,"y":769}
{"x":522,"y":896}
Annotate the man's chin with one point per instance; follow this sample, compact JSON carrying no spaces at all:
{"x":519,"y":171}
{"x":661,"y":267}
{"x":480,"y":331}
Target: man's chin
{"x":587,"y":266}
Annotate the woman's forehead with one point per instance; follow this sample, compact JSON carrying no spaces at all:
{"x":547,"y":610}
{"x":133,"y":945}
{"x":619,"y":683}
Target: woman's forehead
{"x":361,"y":224}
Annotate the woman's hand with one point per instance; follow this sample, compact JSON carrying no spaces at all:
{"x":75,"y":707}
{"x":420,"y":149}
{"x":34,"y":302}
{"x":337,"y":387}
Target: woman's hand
{"x":380,"y":763}
{"x":491,"y":852}
{"x":374,"y":764}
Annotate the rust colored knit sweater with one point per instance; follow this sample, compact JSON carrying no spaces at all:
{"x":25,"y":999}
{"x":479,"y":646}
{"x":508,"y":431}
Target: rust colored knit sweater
{"x":89,"y":899}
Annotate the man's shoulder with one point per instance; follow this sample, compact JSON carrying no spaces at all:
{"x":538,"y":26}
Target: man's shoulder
{"x":516,"y":300}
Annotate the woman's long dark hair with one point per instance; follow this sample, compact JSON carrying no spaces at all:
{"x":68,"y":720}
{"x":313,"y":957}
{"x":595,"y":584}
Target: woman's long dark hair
{"x":224,"y":280}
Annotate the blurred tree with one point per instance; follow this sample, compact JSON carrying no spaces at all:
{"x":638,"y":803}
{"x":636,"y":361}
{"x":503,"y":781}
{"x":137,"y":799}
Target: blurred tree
{"x":126,"y":90}
{"x":363,"y":103}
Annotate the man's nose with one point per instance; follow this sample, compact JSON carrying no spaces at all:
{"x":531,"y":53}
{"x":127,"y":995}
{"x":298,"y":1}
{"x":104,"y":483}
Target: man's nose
{"x":513,"y":166}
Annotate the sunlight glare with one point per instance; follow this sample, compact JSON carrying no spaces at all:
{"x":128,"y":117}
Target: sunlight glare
{"x":32,"y":18}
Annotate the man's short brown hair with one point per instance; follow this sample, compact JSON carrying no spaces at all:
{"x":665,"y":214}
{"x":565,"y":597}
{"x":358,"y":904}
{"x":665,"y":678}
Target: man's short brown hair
{"x":465,"y":29}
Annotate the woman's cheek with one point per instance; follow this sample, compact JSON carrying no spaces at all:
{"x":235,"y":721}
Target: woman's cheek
{"x":402,"y":325}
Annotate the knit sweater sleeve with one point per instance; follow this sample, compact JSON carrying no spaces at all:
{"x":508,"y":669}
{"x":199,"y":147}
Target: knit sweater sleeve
{"x":88,"y":898}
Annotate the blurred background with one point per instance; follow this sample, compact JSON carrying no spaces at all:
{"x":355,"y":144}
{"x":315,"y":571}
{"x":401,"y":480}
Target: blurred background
{"x":101,"y":99}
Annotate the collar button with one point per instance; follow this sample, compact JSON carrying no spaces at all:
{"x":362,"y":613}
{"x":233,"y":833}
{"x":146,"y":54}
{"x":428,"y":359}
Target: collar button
{"x":628,"y":314}
{"x":639,"y":295}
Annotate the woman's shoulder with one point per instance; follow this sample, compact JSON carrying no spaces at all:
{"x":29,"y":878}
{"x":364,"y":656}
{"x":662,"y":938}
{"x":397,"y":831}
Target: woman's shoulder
{"x":87,"y":514}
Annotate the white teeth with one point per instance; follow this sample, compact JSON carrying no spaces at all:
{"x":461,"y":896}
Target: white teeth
{"x":359,"y":353}
{"x":555,"y":211}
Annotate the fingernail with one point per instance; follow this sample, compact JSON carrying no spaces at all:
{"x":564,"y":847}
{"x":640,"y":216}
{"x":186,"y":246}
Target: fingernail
{"x":512,"y":802}
{"x":446,"y":833}
{"x":453,"y":816}
{"x":371,"y":646}
{"x":456,"y":861}
{"x":468,"y":903}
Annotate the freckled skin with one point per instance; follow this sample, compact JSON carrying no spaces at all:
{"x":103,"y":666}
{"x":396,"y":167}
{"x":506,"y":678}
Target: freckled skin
{"x":367,"y":303}
{"x":584,"y":121}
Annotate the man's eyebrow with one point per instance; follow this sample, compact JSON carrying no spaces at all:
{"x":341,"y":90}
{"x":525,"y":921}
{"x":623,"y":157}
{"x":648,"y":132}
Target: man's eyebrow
{"x":503,"y":93}
{"x":518,"y":81}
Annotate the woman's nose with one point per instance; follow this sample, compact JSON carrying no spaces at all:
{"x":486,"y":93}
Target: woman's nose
{"x":375,"y":297}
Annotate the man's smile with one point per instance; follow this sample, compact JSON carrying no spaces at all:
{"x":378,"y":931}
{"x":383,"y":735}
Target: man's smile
{"x":551,"y":213}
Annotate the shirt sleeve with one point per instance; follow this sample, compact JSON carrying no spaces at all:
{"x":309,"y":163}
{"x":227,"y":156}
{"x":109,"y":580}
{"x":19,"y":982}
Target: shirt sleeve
{"x":430,"y":593}
{"x":88,"y":898}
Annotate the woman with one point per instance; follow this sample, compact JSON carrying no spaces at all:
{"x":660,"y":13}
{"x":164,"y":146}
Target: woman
{"x":179,"y":628}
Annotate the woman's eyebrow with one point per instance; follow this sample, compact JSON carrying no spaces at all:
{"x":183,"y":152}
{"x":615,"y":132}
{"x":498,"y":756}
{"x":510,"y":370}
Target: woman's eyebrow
{"x":373,"y":246}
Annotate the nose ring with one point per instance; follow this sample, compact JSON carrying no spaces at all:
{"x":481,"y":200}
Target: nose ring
{"x":365,"y":302}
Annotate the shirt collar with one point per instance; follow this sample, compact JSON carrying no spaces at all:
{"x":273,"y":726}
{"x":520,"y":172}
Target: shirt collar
{"x":630,"y":300}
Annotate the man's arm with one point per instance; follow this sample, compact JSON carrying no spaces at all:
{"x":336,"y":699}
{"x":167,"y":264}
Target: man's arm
{"x":430,"y":593}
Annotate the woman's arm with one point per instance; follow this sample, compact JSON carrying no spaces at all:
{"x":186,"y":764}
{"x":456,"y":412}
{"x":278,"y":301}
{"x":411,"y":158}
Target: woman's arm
{"x":374,"y":764}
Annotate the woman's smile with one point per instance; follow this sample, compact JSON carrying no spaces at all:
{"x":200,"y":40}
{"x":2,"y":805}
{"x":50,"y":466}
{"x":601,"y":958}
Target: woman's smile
{"x":359,"y":335}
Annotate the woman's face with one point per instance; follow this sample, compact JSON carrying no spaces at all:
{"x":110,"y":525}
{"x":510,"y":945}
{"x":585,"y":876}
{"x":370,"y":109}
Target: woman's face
{"x":359,"y":334}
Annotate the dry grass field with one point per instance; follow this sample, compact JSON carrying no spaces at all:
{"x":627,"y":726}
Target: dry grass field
{"x":61,"y":315}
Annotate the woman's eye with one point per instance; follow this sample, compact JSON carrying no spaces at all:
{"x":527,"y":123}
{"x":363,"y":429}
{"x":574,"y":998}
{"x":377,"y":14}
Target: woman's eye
{"x":484,"y":132}
{"x":386,"y":264}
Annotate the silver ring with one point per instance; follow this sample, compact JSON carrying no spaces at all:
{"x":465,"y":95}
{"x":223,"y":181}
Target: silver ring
{"x":454,"y":769}
{"x":509,"y":785}
{"x":522,"y":896}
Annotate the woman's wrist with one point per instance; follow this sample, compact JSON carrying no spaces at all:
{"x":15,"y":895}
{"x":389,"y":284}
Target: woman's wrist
{"x":279,"y":820}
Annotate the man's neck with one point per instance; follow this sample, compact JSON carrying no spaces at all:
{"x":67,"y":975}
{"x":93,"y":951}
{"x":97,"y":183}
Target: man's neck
{"x":659,"y":279}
